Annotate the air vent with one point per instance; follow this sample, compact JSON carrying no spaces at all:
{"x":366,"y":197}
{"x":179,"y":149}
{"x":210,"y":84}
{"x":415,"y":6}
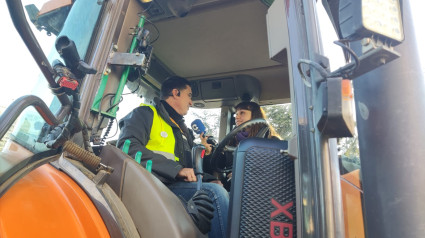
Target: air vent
{"x":217,"y":92}
{"x":195,"y":91}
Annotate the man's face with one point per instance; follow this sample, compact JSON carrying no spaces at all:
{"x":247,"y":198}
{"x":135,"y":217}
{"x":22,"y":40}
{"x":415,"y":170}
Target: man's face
{"x":184,"y":101}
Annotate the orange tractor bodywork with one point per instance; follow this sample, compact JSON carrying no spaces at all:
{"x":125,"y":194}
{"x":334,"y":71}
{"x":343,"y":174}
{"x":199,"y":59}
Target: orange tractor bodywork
{"x":47,"y":194}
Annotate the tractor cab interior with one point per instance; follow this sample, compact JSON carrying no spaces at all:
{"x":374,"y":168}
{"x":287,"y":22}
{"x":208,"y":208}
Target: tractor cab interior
{"x":221,"y":46}
{"x":230,"y":50}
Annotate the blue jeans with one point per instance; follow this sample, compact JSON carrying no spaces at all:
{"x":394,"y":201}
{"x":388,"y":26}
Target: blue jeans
{"x":220,"y":199}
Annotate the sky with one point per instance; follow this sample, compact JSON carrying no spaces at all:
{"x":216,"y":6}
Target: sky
{"x":18,"y":67}
{"x":16,"y":63}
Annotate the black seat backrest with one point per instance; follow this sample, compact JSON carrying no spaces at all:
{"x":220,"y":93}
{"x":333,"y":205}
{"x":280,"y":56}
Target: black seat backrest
{"x":262,"y":196}
{"x":155,"y":210}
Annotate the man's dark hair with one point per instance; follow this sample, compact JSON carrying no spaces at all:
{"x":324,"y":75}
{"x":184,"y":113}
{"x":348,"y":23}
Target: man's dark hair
{"x":173,"y":82}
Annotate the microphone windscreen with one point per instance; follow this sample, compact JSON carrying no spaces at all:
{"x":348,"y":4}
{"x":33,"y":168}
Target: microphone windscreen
{"x":197,"y":126}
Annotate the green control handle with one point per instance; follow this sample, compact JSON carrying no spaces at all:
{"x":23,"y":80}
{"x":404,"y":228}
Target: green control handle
{"x":149,"y":166}
{"x":138,"y":157}
{"x":126,"y":146}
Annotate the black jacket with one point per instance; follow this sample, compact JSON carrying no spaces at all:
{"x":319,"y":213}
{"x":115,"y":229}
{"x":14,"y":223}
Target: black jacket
{"x":136,"y":126}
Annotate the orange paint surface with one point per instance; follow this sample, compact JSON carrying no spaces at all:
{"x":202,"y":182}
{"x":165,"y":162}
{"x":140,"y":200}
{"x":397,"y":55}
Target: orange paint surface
{"x":47,"y":203}
{"x":346,"y":89}
{"x":351,"y":200}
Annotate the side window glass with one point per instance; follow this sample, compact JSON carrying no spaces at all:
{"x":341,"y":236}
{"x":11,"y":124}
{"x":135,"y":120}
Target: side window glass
{"x":280,"y":117}
{"x":209,"y":117}
{"x":130,"y":101}
{"x":348,"y":152}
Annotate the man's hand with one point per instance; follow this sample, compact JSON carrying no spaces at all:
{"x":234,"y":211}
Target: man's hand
{"x":208,"y":147}
{"x":229,"y":176}
{"x":187,"y":174}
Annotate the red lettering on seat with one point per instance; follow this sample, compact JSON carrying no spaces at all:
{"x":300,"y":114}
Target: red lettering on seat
{"x":281,"y":209}
{"x":282,"y":226}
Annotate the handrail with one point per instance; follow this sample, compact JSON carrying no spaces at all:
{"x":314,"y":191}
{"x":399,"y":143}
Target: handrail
{"x":18,"y":17}
{"x":15,"y":109}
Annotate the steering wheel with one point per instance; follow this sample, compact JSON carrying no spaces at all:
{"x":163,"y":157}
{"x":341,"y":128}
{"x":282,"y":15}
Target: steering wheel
{"x":222,"y":146}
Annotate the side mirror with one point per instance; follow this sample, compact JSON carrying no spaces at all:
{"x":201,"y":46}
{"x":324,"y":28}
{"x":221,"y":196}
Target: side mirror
{"x":51,"y":17}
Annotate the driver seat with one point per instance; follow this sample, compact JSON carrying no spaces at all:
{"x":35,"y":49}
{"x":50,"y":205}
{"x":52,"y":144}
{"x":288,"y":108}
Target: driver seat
{"x":262,"y":194}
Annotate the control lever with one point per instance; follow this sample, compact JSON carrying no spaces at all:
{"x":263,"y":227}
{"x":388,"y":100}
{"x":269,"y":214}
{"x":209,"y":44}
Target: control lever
{"x":198,"y":152}
{"x":212,"y":141}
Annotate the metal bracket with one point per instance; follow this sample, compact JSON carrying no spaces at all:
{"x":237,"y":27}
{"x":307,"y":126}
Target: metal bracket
{"x":101,"y":177}
{"x":127,"y":59}
{"x":292,"y":150}
{"x":371,"y":60}
{"x":86,"y":183}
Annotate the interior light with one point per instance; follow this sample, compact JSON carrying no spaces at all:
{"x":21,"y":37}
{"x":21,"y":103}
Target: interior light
{"x":366,"y":18}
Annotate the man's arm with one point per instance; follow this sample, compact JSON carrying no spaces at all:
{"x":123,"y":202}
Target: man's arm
{"x":136,"y":127}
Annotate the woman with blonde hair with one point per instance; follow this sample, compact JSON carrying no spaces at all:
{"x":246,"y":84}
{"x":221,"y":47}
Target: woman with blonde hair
{"x":245,"y":112}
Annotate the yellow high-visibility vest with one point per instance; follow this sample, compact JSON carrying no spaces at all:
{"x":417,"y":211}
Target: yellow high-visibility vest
{"x":161,"y":138}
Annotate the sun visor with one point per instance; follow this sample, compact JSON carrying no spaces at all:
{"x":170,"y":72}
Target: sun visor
{"x":277,"y":30}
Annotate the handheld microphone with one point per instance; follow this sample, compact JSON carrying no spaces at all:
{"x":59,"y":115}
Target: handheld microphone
{"x":198,"y":127}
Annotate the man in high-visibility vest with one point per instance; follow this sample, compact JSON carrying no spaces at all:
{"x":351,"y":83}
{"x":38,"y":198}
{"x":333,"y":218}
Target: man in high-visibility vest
{"x":160,"y":133}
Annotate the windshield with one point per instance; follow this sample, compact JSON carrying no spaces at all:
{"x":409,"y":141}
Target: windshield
{"x":279,"y":116}
{"x":45,"y":20}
